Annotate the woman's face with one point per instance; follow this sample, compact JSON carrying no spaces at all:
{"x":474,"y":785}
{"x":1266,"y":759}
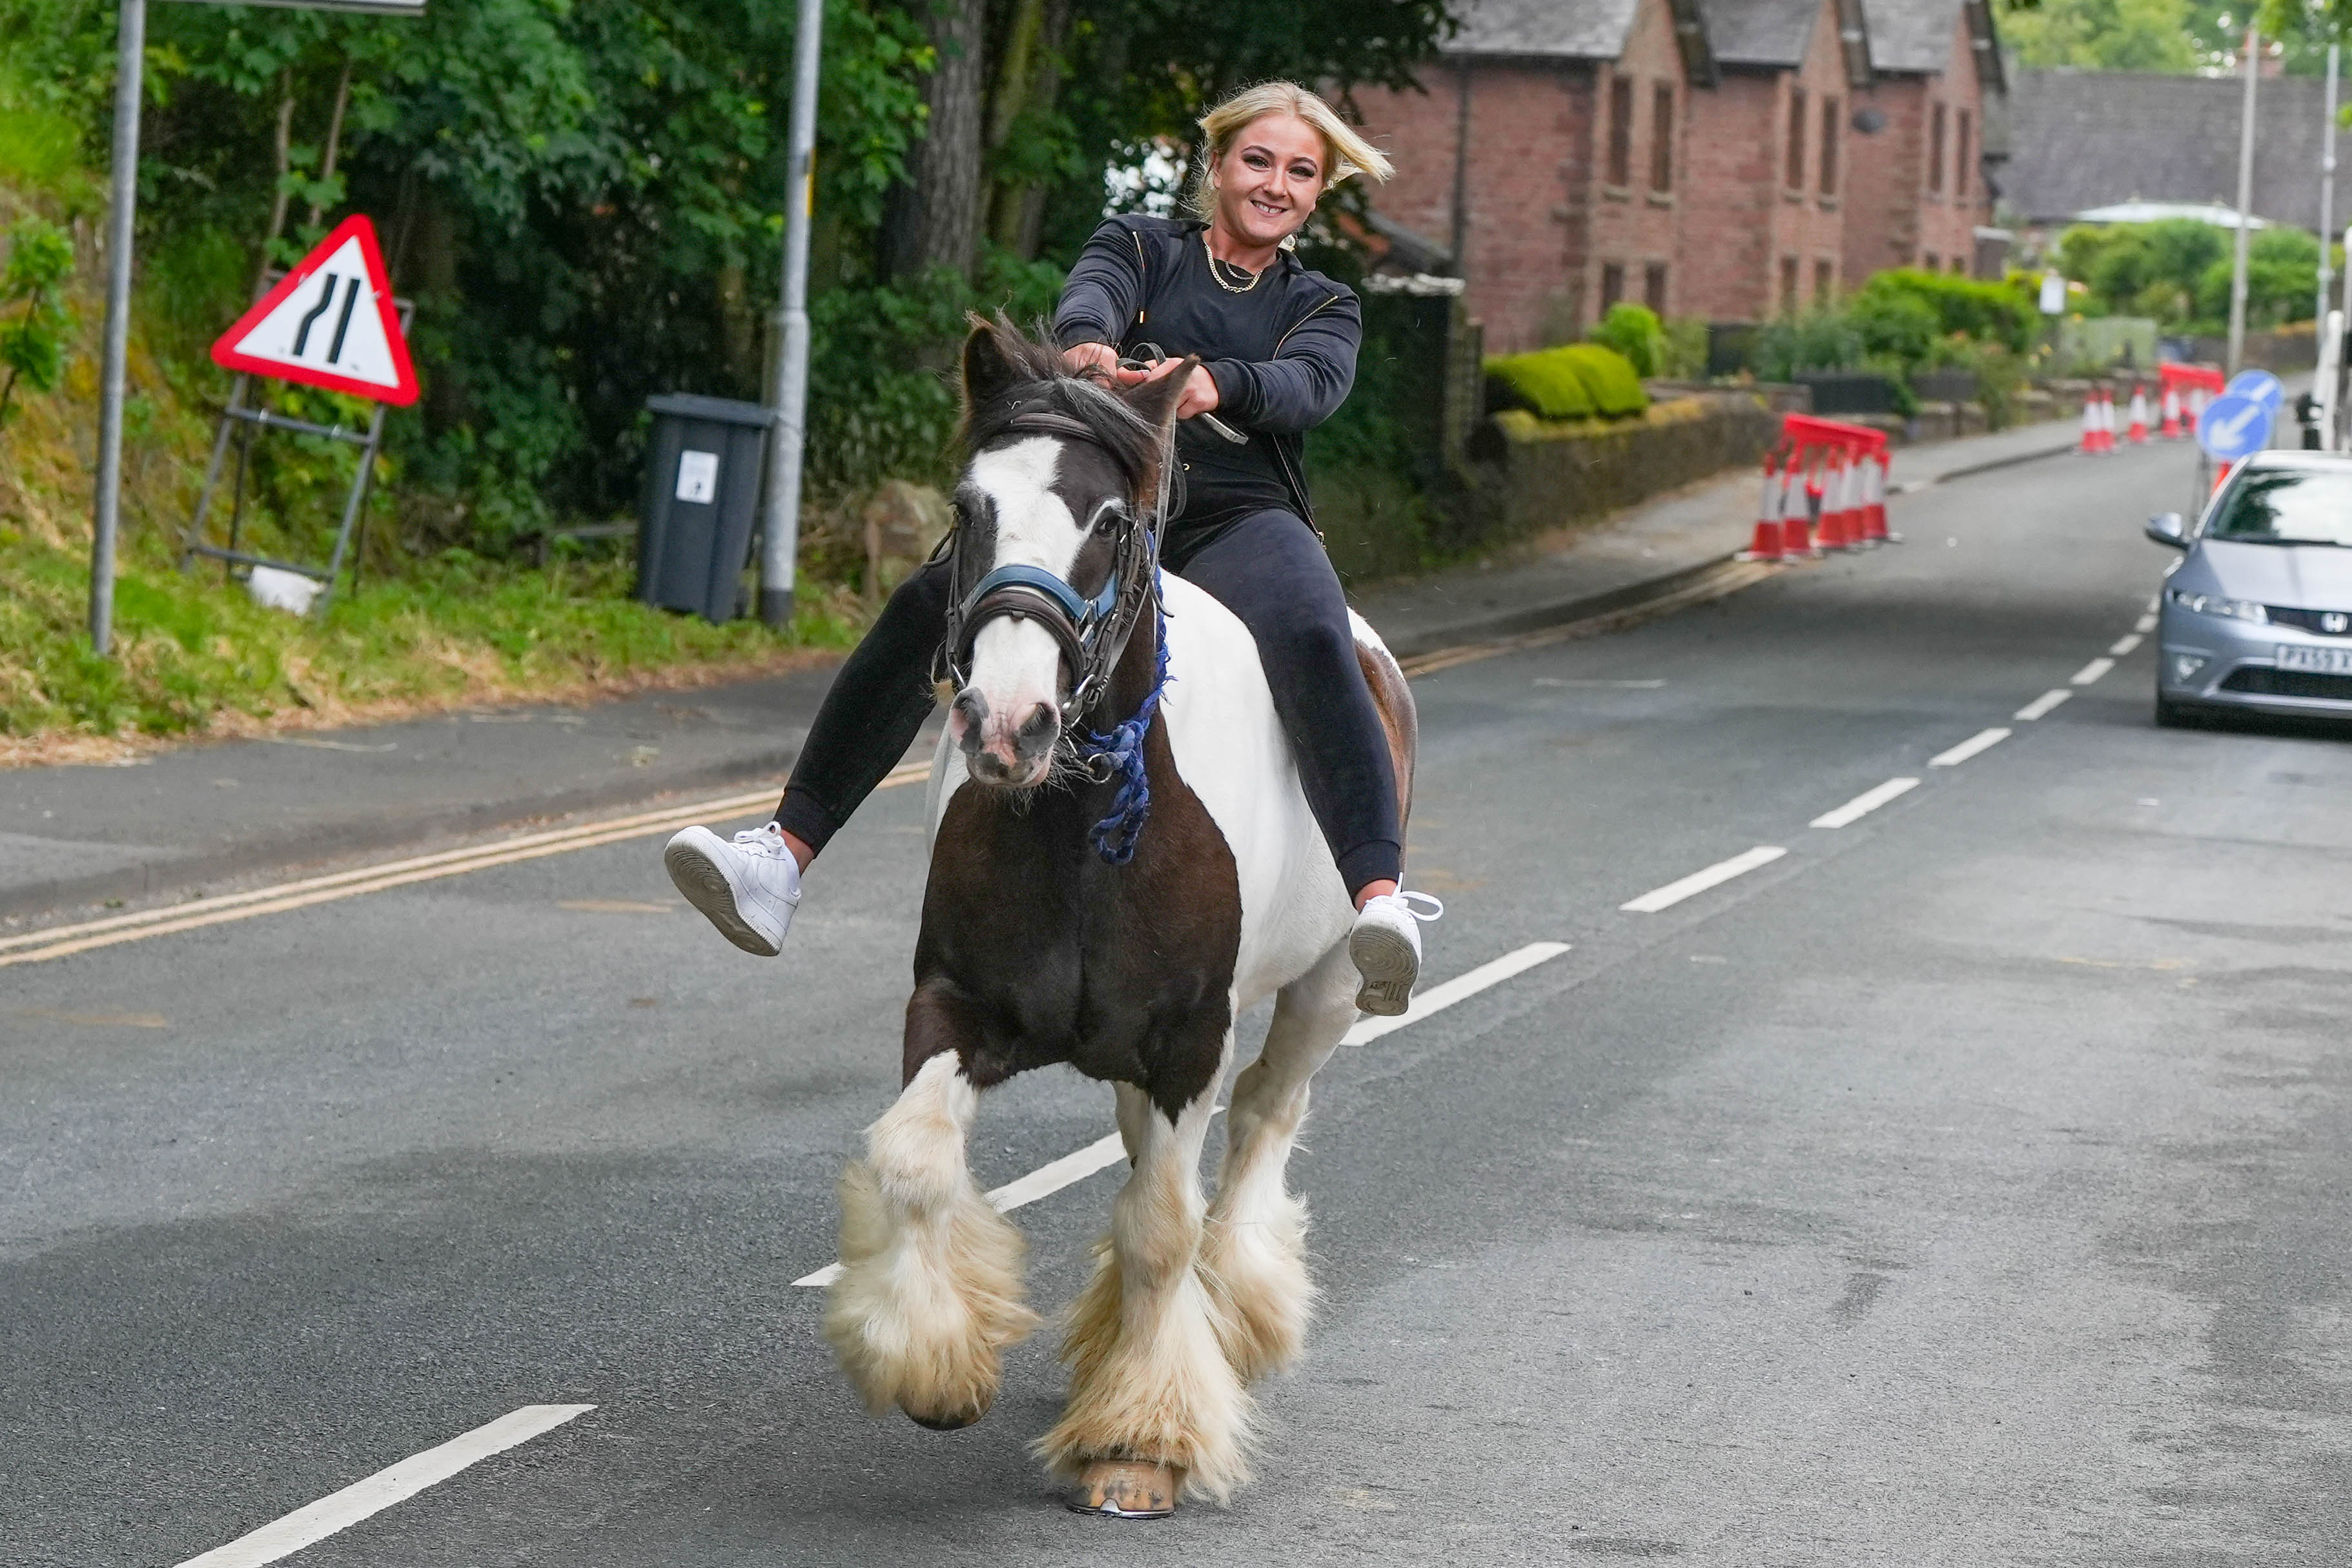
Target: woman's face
{"x":1269,"y":178}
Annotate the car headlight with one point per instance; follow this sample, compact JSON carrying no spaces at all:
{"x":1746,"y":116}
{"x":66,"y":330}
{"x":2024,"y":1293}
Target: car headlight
{"x":2214,"y":604}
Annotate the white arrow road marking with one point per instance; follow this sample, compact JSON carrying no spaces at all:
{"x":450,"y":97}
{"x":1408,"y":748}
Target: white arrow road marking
{"x":362,"y":1499}
{"x":2040,"y":706}
{"x":1866,"y":802}
{"x":1698,"y":882}
{"x":1983,"y":740}
{"x":1108,"y":1151}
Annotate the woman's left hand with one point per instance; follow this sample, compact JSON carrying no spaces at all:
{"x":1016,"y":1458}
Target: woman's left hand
{"x":1200,"y":388}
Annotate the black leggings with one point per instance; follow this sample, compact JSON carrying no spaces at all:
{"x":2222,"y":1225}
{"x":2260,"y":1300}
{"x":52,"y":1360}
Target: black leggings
{"x":1268,"y":568}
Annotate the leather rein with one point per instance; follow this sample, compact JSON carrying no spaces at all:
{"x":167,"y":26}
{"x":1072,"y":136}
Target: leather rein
{"x":1092,"y":632}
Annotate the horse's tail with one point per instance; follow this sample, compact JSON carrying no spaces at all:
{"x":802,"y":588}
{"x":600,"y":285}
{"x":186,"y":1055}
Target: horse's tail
{"x":1394,"y":699}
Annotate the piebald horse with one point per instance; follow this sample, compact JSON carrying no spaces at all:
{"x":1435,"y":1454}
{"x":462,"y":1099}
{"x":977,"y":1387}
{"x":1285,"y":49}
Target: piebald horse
{"x":1122,"y":861}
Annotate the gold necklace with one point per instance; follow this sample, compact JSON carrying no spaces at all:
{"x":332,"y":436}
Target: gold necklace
{"x":1214,"y":265}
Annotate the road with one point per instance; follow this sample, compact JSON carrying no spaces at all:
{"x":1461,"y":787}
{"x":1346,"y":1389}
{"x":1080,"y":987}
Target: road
{"x":1964,"y":1186}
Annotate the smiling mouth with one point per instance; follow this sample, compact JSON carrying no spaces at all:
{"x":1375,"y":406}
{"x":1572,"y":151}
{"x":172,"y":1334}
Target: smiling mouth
{"x":1270,"y":211}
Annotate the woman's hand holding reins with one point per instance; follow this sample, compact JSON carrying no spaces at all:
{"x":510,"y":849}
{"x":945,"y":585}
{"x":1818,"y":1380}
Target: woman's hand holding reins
{"x":1199,"y":394}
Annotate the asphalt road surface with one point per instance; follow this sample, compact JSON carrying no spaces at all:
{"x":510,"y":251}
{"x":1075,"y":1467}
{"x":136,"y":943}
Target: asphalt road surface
{"x":1964,"y":1186}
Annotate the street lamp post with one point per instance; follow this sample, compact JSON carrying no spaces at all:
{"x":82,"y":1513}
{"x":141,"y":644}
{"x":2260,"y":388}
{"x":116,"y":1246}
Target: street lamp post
{"x":781,"y":503}
{"x":2245,"y":200}
{"x":130,"y":46}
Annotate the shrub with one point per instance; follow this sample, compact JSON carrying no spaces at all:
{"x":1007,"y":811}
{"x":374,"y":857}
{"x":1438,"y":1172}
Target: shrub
{"x":1633,"y":330}
{"x":1990,"y":312}
{"x":1609,"y":376}
{"x":1542,"y":381}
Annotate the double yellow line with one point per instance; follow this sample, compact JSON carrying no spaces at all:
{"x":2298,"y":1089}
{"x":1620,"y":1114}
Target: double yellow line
{"x":64,"y":941}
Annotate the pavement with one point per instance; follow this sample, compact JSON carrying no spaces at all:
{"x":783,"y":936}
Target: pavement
{"x":204,"y":818}
{"x":1961,"y":1186}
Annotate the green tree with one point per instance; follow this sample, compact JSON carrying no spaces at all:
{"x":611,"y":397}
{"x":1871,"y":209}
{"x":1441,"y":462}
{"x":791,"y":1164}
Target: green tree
{"x":2104,"y":36}
{"x":34,"y":321}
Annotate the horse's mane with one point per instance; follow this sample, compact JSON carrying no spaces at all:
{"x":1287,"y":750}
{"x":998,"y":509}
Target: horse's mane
{"x":1042,"y":383}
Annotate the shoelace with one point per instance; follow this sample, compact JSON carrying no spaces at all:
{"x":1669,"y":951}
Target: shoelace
{"x":1403,"y":900}
{"x":768,"y":840}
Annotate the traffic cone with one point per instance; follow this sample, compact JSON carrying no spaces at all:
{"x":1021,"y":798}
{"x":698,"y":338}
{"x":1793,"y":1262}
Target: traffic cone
{"x":1765,"y":544}
{"x":2106,"y":421}
{"x":1825,"y":490}
{"x":1874,"y":497}
{"x":1796,"y":512}
{"x":2170,"y":429}
{"x":2137,"y":434}
{"x":1849,"y":499}
{"x":2089,"y":447}
{"x":2196,"y":410}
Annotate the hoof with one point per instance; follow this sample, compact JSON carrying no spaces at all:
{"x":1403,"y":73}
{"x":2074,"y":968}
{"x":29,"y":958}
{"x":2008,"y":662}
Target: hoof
{"x":949,"y":1421}
{"x":1128,"y":1489}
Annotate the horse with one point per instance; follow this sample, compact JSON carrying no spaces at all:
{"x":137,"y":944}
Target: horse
{"x":1122,"y":862}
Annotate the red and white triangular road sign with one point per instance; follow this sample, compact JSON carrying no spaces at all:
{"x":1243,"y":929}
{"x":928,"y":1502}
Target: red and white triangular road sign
{"x":329,"y":323}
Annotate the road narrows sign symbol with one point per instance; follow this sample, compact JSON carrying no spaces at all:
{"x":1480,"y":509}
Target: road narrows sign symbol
{"x":329,"y":323}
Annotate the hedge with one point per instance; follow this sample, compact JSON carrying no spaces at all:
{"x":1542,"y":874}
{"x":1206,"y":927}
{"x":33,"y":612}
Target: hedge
{"x":1579,"y":381}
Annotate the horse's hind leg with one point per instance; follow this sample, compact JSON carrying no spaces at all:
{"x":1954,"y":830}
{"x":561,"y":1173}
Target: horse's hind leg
{"x":1254,"y":1257}
{"x":1154,"y":1407}
{"x":929,"y":1293}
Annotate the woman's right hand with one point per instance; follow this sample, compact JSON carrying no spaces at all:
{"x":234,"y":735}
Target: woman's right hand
{"x":1100,"y":356}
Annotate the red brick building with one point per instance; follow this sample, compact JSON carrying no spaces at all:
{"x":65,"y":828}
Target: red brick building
{"x":1703,"y":157}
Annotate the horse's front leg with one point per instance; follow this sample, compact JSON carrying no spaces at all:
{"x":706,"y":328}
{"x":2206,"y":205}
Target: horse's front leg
{"x":930,"y":1291}
{"x":1155,"y":1411}
{"x":1254,"y":1255}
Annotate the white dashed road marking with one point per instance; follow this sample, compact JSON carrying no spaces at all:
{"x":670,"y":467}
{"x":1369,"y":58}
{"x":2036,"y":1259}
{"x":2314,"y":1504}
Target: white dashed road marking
{"x":1698,"y":882}
{"x":338,"y":1510}
{"x":1108,"y":1151}
{"x":2144,"y":624}
{"x":2125,"y":644}
{"x":1866,"y":802}
{"x":2040,"y":706}
{"x":2090,"y":672}
{"x":1983,"y":740}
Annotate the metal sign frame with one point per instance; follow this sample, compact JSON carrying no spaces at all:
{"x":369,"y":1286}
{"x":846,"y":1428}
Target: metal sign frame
{"x":245,"y":421}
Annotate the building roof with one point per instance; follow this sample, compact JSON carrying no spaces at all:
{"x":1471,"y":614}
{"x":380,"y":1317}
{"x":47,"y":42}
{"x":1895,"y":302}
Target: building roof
{"x":1759,"y":32}
{"x":1911,"y":35}
{"x":1566,"y":29}
{"x":2080,"y":140}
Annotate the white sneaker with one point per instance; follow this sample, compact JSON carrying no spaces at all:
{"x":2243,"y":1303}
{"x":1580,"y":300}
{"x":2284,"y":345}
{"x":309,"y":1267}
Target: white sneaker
{"x":749,"y":889}
{"x":1386,"y":946}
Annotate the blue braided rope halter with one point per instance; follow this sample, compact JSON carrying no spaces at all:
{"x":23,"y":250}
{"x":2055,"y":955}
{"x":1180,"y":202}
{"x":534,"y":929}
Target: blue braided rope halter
{"x":1119,"y":755}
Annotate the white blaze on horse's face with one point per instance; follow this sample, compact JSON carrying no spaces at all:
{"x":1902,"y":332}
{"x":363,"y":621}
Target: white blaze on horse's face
{"x":1008,"y":718}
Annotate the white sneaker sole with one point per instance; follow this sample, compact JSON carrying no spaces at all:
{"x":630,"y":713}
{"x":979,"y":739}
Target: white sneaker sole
{"x":1390,"y":966}
{"x":706,"y":887}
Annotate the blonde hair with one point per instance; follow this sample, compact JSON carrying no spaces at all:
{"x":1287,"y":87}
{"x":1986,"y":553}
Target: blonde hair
{"x":1345,"y":151}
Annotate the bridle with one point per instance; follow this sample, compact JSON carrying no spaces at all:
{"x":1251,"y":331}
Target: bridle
{"x":1092,"y":633}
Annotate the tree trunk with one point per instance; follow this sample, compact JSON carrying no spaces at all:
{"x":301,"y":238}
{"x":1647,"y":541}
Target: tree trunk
{"x":948,"y":186}
{"x":334,"y":135}
{"x":1028,"y":81}
{"x":282,"y":146}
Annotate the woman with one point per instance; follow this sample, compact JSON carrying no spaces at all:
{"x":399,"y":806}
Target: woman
{"x":1276,"y":345}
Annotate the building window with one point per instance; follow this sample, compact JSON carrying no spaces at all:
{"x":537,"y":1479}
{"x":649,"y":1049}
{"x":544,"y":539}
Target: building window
{"x":1613,"y":285}
{"x":1935,"y":149}
{"x":1933,"y":263}
{"x":1795,"y":179}
{"x":1654,"y":288}
{"x":1621,"y":130}
{"x":1661,"y":138}
{"x":1960,"y":159}
{"x":1959,"y":265}
{"x":1825,"y":282}
{"x":1830,"y":108}
{"x":1788,"y":286}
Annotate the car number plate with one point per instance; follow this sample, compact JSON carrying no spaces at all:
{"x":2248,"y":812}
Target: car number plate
{"x":2325,"y":661}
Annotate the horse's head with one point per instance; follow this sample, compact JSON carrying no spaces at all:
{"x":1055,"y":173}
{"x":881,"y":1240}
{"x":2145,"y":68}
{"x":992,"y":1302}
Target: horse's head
{"x":1051,"y":556}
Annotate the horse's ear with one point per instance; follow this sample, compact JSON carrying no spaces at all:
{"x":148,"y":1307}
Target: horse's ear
{"x":1155,"y":400}
{"x":987,"y":370}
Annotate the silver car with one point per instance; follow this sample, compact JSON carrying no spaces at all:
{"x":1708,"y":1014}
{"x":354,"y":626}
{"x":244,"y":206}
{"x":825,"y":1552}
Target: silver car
{"x":2257,"y":617}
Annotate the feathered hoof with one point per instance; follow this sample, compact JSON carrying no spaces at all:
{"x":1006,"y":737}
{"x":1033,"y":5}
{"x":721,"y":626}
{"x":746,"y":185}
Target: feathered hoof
{"x":1128,"y":1489}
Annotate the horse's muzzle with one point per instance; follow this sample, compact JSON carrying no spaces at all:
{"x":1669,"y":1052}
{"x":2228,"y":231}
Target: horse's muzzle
{"x":1009,"y":751}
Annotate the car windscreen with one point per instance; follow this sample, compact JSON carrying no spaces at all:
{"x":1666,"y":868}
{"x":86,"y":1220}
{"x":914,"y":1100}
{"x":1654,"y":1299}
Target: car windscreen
{"x":2289,"y":507}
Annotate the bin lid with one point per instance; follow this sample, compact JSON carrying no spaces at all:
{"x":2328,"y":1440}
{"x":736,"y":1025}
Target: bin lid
{"x":723,"y":410}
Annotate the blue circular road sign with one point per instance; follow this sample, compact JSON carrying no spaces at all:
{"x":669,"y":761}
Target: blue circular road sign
{"x":2261,"y":386}
{"x":2234,"y":425}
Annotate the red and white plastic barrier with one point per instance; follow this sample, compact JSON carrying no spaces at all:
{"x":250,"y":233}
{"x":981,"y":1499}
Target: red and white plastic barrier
{"x":1822,"y":470}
